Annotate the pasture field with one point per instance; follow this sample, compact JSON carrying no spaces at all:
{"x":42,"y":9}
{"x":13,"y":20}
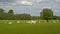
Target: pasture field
{"x":40,"y":27}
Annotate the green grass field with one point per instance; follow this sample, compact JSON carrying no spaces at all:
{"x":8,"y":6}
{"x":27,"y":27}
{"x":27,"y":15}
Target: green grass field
{"x":25,"y":28}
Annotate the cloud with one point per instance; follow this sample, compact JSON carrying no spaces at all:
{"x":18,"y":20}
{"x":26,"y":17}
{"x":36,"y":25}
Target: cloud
{"x":57,"y":0}
{"x":12,"y":4}
{"x":8,"y":7}
{"x":20,"y":3}
{"x":36,"y":0}
{"x":41,"y":0}
{"x":24,"y":2}
{"x":47,"y":7}
{"x":1,"y":3}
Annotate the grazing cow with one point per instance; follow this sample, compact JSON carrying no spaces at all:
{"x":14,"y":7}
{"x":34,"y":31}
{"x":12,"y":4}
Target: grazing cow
{"x":33,"y":22}
{"x":29,"y":22}
{"x":18,"y":21}
{"x":10,"y":23}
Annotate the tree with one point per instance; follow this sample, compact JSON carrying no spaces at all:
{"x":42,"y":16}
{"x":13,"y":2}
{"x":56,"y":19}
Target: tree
{"x":22,"y":16}
{"x":11,"y":12}
{"x":35,"y":17}
{"x":11,"y":15}
{"x":46,"y":14}
{"x":25,"y":16}
{"x":1,"y":10}
{"x":2,"y":14}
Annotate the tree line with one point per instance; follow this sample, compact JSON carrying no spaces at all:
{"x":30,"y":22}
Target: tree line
{"x":45,"y":14}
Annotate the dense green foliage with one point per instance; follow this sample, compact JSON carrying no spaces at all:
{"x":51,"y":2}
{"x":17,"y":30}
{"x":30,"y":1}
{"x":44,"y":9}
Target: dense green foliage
{"x":11,"y":16}
{"x":47,"y":14}
{"x":11,"y":12}
{"x":23,"y":17}
{"x":35,"y":17}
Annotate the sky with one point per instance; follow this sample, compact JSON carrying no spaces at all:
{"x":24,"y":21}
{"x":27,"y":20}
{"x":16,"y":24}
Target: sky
{"x":33,"y":7}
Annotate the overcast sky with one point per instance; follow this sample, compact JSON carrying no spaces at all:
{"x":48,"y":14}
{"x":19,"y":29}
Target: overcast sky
{"x":33,"y":7}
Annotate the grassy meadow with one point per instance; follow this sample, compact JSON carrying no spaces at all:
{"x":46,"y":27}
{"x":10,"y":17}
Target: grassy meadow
{"x":40,"y":27}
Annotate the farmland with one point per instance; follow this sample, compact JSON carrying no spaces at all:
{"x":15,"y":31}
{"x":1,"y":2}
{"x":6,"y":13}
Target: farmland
{"x":40,"y":27}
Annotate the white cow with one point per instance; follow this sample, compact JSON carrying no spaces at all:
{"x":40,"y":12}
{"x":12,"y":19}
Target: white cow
{"x":18,"y":21}
{"x":10,"y":23}
{"x":32,"y":22}
{"x":29,"y":22}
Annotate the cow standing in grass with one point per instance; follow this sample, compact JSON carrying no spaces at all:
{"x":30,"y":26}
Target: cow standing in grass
{"x":32,"y":22}
{"x":10,"y":23}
